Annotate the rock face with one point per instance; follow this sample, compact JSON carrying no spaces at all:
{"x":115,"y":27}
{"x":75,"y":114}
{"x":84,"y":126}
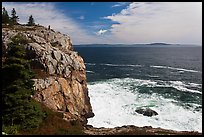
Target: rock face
{"x":146,"y":112}
{"x":63,"y":86}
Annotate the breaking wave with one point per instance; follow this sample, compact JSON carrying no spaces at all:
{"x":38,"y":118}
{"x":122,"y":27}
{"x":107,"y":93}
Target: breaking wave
{"x":180,"y":70}
{"x":121,"y":65}
{"x":172,"y":68}
{"x":114,"y":102}
{"x":89,"y":71}
{"x":91,"y":64}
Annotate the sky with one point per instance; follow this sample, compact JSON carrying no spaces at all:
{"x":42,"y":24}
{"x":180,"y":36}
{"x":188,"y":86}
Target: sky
{"x":117,"y":22}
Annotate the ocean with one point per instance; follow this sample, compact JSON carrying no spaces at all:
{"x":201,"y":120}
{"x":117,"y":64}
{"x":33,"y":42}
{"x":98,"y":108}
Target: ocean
{"x":165,"y":79}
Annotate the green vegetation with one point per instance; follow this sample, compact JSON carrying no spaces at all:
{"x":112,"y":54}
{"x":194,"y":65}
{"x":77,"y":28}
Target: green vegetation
{"x":31,"y":21}
{"x":5,"y":16}
{"x":19,"y":110}
{"x":9,"y":21}
{"x":14,"y":19}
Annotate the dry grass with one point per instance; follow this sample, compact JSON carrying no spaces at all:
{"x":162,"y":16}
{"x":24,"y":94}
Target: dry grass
{"x":40,"y":73}
{"x":53,"y":124}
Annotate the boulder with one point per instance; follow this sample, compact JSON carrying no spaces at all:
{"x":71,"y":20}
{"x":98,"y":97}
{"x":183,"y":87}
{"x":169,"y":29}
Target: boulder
{"x":146,"y":112}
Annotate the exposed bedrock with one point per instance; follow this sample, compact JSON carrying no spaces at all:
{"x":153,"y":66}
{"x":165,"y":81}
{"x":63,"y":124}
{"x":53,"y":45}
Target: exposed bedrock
{"x":62,"y":87}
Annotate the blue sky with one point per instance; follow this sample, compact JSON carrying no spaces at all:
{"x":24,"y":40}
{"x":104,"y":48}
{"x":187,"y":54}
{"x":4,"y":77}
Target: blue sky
{"x":90,"y":14}
{"x":117,"y":22}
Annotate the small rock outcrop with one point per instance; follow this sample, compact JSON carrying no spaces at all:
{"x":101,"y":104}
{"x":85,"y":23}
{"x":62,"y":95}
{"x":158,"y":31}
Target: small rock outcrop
{"x":146,"y":112}
{"x":62,"y":87}
{"x":134,"y":130}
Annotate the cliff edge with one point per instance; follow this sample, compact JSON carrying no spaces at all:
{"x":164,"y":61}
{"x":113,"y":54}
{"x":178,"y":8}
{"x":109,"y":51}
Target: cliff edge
{"x":60,"y":82}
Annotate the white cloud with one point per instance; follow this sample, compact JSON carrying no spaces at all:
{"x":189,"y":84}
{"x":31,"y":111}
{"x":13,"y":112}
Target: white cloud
{"x":119,"y":4}
{"x":81,"y":17}
{"x":144,"y":22}
{"x":47,"y":14}
{"x":101,"y":31}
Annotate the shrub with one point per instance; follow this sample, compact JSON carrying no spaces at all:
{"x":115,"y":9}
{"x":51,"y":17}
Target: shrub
{"x":19,"y":110}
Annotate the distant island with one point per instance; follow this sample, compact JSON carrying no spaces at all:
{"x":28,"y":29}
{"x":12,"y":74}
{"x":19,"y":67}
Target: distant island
{"x":161,"y":44}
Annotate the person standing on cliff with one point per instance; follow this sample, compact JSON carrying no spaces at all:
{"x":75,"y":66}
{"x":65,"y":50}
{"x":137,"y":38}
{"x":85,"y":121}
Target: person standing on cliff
{"x":46,"y":36}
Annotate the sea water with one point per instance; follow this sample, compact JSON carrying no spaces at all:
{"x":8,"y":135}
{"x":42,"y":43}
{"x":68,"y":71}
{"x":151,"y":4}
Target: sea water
{"x":165,"y":79}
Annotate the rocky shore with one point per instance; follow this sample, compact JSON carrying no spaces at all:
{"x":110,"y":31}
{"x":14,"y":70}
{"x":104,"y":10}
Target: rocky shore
{"x":134,"y":130}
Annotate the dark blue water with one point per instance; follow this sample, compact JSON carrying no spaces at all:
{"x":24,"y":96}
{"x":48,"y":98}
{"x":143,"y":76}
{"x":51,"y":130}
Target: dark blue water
{"x":119,"y":62}
{"x":170,"y":72}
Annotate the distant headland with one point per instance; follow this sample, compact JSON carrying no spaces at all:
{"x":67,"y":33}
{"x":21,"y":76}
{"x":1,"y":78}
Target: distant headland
{"x":158,"y":44}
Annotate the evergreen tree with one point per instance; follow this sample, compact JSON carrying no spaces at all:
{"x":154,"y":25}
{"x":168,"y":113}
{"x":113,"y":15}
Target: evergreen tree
{"x":14,"y":17}
{"x":31,"y":21}
{"x":19,"y":109}
{"x":5,"y":16}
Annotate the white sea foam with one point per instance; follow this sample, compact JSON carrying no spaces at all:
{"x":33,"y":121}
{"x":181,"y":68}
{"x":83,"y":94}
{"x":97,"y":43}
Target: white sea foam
{"x":158,"y":66}
{"x":183,"y":87}
{"x":121,"y":65}
{"x":153,"y":76}
{"x":91,"y":64}
{"x":114,"y":104}
{"x":89,"y":71}
{"x":195,"y":85}
{"x":181,"y":70}
{"x":179,"y":85}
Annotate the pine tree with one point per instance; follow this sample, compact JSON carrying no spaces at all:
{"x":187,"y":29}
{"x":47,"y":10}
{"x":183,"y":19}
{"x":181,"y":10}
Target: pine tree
{"x":31,"y":21}
{"x":19,"y":109}
{"x":14,"y":17}
{"x":5,"y":16}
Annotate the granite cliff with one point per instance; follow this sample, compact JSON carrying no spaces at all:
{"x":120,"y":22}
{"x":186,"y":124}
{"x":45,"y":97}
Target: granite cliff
{"x":60,"y":82}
